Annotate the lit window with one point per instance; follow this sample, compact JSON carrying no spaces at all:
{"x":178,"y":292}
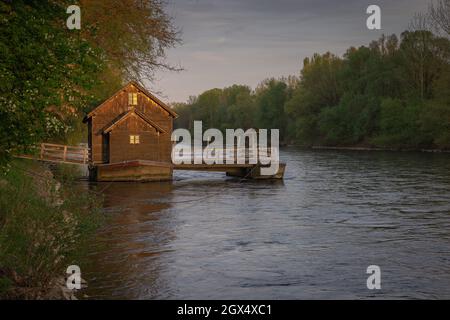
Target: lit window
{"x":134,"y":139}
{"x":132,"y":99}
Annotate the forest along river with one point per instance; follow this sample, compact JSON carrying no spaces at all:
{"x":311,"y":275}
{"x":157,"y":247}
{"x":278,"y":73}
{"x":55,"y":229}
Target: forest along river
{"x":313,"y":235}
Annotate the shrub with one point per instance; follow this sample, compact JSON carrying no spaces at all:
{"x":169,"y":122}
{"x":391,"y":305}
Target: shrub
{"x":435,"y":122}
{"x":44,"y":227}
{"x":400,"y":125}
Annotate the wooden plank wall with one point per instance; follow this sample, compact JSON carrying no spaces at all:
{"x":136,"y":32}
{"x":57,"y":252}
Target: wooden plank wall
{"x":149,"y":148}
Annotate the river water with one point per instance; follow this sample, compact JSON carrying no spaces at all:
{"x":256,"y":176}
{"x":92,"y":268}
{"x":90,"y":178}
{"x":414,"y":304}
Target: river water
{"x":313,"y":235}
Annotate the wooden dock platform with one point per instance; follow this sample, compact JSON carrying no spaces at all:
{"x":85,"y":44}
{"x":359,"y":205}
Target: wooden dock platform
{"x":144,"y":170}
{"x":246,"y":170}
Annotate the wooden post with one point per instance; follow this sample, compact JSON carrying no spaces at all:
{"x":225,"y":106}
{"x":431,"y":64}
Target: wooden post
{"x":159,"y":149}
{"x":42,"y":151}
{"x":65,"y":153}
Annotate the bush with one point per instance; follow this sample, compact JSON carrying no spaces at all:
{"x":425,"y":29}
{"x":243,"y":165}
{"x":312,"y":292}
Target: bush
{"x":44,"y":227}
{"x":349,"y":122}
{"x":435,"y":123}
{"x":400,"y":125}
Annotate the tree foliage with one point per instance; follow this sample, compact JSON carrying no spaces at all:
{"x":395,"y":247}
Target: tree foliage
{"x":133,"y":34}
{"x":50,"y":75}
{"x":393,"y":93}
{"x":45,"y":72}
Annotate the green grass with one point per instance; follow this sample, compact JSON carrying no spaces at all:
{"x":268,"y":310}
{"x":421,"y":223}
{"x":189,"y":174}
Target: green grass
{"x":44,"y":227}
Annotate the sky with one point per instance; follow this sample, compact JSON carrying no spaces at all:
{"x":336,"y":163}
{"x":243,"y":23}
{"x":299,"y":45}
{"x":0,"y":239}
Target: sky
{"x":226,"y":42}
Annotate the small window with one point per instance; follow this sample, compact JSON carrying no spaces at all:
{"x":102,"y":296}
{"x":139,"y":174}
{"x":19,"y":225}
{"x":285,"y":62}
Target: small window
{"x":134,"y":139}
{"x":132,"y":99}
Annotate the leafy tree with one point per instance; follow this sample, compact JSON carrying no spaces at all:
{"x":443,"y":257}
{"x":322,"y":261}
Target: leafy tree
{"x":133,"y":34}
{"x":271,"y":95}
{"x":400,"y":124}
{"x":349,"y":123}
{"x":240,"y":107}
{"x":46,"y":72}
{"x":423,"y":57}
{"x":318,"y":88}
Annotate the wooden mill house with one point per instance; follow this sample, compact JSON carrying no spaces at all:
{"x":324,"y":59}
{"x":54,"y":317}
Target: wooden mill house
{"x":129,"y":136}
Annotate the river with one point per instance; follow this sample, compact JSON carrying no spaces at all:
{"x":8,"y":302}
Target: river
{"x":313,"y":235}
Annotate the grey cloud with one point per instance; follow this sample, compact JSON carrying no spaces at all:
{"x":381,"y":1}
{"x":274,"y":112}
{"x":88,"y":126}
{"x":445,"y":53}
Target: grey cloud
{"x":244,"y":41}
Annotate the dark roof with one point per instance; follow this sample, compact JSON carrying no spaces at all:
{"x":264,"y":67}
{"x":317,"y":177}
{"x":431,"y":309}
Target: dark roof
{"x":128,"y":114}
{"x":140,"y":88}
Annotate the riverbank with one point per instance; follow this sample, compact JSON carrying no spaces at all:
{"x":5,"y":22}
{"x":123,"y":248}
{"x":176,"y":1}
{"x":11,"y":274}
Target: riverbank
{"x":379,"y":149}
{"x":362,"y":148}
{"x":46,"y":221}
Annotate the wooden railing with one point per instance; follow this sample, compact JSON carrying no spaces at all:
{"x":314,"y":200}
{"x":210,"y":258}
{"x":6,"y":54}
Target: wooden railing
{"x":63,"y":153}
{"x":60,"y":153}
{"x":242,"y":153}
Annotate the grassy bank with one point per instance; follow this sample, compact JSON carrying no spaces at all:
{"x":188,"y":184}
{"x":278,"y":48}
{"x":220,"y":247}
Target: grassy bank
{"x":46,"y":221}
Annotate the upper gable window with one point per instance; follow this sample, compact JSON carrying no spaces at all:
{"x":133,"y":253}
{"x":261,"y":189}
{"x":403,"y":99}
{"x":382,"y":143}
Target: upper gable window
{"x":132,"y":99}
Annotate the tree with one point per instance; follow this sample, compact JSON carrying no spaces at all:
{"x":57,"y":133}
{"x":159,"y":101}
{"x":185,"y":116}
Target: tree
{"x":318,"y":88}
{"x":133,"y":34}
{"x":400,"y":124}
{"x":439,"y":14}
{"x":423,"y":57}
{"x":46,"y":73}
{"x":238,"y":108}
{"x":207,"y":107}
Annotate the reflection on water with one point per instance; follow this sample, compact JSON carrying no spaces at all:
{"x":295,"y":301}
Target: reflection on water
{"x":311,"y":236}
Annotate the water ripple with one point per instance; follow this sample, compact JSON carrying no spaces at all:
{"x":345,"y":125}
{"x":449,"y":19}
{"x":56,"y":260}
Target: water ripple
{"x":206,"y":236}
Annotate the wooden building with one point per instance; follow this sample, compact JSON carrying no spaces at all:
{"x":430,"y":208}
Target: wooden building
{"x":129,"y":136}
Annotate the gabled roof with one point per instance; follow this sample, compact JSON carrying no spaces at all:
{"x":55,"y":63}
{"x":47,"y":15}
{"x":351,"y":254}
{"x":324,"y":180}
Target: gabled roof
{"x":140,"y":88}
{"x":127,"y":115}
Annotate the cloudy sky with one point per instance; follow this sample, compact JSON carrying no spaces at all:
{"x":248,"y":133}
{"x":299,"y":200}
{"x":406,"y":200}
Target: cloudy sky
{"x":229,"y":42}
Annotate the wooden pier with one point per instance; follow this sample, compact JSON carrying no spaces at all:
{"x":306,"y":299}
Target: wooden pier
{"x":146,"y":170}
{"x":248,"y":171}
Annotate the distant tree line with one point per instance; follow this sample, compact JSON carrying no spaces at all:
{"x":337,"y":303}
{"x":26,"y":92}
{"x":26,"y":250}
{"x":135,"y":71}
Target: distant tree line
{"x":393,"y":93}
